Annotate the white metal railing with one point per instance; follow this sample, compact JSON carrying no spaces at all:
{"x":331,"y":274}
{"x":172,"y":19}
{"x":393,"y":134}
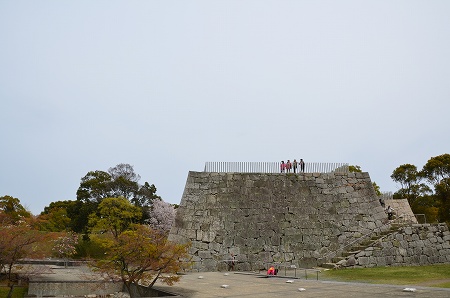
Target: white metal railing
{"x":274,"y":167}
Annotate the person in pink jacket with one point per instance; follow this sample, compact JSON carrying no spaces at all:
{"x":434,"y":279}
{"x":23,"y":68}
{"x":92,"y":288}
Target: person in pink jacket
{"x":288,"y":166}
{"x":282,"y":166}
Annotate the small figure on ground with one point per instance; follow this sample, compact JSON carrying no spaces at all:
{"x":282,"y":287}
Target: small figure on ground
{"x":231,"y":263}
{"x":302,"y":165}
{"x":390,"y":212}
{"x":288,"y":166}
{"x":282,"y":166}
{"x":272,"y":271}
{"x":294,"y":165}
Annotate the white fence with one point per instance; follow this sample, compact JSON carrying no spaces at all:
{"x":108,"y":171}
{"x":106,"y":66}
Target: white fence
{"x":274,"y":167}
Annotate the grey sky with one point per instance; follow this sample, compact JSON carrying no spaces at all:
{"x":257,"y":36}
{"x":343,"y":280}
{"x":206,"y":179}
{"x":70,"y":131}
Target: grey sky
{"x":168,"y":85}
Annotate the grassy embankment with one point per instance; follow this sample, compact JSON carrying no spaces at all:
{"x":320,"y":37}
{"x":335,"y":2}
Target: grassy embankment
{"x":427,"y":276}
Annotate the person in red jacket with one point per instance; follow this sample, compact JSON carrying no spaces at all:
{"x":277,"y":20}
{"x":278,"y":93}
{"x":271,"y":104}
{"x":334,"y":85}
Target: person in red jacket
{"x":271,"y":271}
{"x":288,"y":166}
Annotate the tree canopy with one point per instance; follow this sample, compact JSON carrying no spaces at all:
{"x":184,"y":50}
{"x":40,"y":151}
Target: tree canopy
{"x":114,"y":215}
{"x":142,"y":256}
{"x":11,"y":210}
{"x":417,"y":186}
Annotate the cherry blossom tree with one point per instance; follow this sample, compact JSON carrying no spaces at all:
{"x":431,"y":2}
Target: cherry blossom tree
{"x":162,"y":216}
{"x":65,"y":246}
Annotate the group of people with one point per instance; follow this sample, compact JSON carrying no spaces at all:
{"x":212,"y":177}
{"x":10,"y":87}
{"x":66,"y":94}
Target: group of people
{"x":286,"y":167}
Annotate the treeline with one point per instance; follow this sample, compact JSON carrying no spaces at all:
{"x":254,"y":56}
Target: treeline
{"x":428,"y":189}
{"x":118,"y":182}
{"x":118,"y":224}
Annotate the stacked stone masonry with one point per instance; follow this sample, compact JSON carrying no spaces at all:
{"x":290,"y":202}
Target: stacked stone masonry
{"x":257,"y":219}
{"x":418,"y":244}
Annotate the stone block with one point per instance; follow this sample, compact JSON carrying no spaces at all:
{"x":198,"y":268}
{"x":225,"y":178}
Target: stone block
{"x":362,"y":261}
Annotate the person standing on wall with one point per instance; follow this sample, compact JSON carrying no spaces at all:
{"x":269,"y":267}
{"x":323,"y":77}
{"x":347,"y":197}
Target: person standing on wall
{"x":302,"y":165}
{"x":288,"y":166}
{"x":294,"y":165}
{"x":282,"y":166}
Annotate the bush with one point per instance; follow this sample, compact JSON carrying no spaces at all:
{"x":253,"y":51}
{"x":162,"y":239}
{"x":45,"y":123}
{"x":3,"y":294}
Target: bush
{"x":89,"y":249}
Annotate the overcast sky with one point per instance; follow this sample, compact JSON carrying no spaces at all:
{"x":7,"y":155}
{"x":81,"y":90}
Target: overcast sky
{"x":167,"y":85}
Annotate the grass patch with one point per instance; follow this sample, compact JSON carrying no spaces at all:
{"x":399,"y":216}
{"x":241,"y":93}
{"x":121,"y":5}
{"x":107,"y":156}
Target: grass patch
{"x":18,"y":292}
{"x":432,"y":276}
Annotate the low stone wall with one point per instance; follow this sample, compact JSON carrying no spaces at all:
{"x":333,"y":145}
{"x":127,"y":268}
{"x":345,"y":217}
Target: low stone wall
{"x":72,"y":288}
{"x":418,"y":244}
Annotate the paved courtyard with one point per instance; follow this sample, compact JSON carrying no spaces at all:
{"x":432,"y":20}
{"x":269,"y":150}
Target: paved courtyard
{"x":218,"y":284}
{"x":240,"y":284}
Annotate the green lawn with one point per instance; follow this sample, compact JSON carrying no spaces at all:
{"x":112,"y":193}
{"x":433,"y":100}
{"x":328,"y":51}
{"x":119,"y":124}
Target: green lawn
{"x":431,"y":276}
{"x":19,"y":292}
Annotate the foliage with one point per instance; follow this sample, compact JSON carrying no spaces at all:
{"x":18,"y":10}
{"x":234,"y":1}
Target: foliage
{"x":119,"y":181}
{"x":95,"y":186}
{"x":146,"y":195}
{"x":90,"y":248}
{"x":410,"y":275}
{"x":114,"y":215}
{"x":142,"y":256}
{"x":376,"y":188}
{"x":161,"y":216}
{"x":409,"y":178}
{"x":64,"y":246}
{"x":55,"y":220}
{"x":66,"y":216}
{"x":11,"y":210}
{"x":354,"y":169}
{"x":427,"y":205}
{"x":437,"y":169}
{"x":419,"y":194}
{"x":15,"y":243}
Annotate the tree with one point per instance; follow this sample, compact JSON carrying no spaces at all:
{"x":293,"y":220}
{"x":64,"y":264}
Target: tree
{"x":144,"y":199}
{"x":12,"y":210}
{"x":437,"y":168}
{"x":15,"y":243}
{"x":125,"y":171}
{"x":145,"y":195}
{"x":124,"y":181}
{"x":142,"y":256}
{"x":161,"y":216}
{"x":420,"y":195}
{"x":54,"y":220}
{"x":437,"y":172}
{"x":409,"y":179}
{"x":114,"y":215}
{"x":67,"y":216}
{"x":95,"y":186}
{"x":64,"y":246}
{"x":119,"y":181}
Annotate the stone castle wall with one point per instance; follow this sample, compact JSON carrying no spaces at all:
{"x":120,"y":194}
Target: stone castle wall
{"x":273,"y":218}
{"x":418,"y":244}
